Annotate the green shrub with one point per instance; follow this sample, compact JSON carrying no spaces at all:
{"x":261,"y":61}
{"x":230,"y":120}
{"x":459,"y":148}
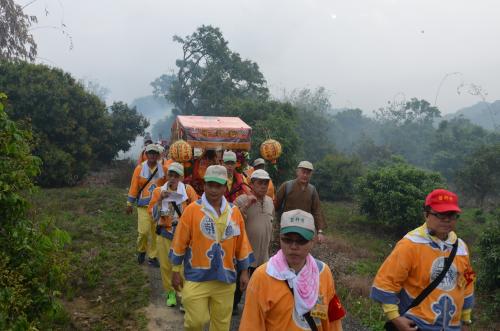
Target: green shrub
{"x":73,"y":128}
{"x":32,"y":266}
{"x":335,"y":175}
{"x":394,"y":195}
{"x":489,"y":251}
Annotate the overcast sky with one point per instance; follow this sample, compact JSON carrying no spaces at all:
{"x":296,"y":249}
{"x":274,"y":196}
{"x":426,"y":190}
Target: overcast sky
{"x":364,"y":52}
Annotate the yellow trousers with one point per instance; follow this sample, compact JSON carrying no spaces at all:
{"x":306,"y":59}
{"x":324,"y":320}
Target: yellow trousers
{"x":146,"y":228}
{"x":163,"y":247}
{"x":207,"y":301}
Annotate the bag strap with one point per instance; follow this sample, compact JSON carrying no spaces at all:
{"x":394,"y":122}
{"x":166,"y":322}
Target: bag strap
{"x":288,"y":188}
{"x":436,"y":281}
{"x":176,"y":208}
{"x":147,"y":182}
{"x":307,"y":316}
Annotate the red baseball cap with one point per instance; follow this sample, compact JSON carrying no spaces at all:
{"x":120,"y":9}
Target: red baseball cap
{"x":442,"y":201}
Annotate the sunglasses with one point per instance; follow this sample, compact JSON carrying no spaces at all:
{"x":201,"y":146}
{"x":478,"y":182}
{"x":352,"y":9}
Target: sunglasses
{"x":443,"y":216}
{"x":289,"y":241}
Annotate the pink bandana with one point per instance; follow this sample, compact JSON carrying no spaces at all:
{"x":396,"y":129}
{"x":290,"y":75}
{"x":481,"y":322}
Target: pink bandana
{"x":305,"y":284}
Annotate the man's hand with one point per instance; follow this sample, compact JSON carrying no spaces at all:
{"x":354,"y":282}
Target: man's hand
{"x":129,"y":210}
{"x":244,"y":278}
{"x":465,"y":327}
{"x":164,"y":194}
{"x":404,"y":324}
{"x":321,"y":238}
{"x":251,"y":200}
{"x":177,"y":282}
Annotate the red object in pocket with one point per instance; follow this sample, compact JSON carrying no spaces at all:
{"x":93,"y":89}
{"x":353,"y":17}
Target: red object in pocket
{"x":335,"y":309}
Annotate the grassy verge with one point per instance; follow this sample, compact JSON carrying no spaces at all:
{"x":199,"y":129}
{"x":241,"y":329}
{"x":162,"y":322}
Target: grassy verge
{"x":361,"y":247}
{"x":106,"y":290}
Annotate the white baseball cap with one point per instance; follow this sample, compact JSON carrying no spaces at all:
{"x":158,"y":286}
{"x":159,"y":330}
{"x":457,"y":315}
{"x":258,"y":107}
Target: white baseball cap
{"x":153,"y":148}
{"x":229,"y":156}
{"x":260,"y":174}
{"x":177,"y":168}
{"x":305,"y":165}
{"x":258,"y":162}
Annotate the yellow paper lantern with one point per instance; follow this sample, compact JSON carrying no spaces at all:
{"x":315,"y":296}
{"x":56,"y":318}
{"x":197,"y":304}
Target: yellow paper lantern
{"x":270,"y":150}
{"x":181,"y":151}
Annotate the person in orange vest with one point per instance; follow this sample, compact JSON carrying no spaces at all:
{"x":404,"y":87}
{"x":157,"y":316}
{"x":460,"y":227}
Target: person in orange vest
{"x":293,"y":291}
{"x":142,"y":156}
{"x":166,"y":216}
{"x":417,"y":260}
{"x":211,"y":242}
{"x":236,"y":183}
{"x":146,"y":177}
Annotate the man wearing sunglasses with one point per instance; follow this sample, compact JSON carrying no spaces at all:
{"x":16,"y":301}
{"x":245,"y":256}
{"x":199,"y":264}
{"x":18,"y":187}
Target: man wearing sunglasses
{"x":292,"y":291}
{"x":416,"y":261}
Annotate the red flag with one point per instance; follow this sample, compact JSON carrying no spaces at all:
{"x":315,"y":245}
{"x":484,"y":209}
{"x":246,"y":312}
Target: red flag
{"x":335,"y":309}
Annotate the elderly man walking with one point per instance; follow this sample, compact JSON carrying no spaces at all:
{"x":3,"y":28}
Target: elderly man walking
{"x":300,"y":194}
{"x":258,"y":211}
{"x":293,"y":291}
{"x":427,"y":282}
{"x":211,"y":242}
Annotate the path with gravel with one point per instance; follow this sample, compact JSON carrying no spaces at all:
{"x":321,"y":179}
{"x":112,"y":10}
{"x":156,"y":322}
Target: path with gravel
{"x":161,"y":318}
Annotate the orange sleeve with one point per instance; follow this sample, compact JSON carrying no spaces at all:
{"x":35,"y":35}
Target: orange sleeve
{"x":253,"y":317}
{"x":152,"y":203}
{"x":134,"y":185}
{"x":395,"y":269}
{"x":192,"y":195}
{"x":182,"y":235}
{"x":270,"y":190}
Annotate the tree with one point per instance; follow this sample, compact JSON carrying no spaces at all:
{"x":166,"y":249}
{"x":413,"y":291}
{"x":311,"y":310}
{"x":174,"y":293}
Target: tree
{"x":313,"y":109}
{"x":32,"y":263}
{"x":394,"y":195}
{"x":350,"y":126}
{"x":162,"y":84}
{"x":335,"y":175}
{"x":72,"y":128}
{"x":270,"y":119}
{"x":16,"y":42}
{"x":209,"y":72}
{"x":413,"y":111}
{"x":453,"y":142}
{"x":480,"y":176}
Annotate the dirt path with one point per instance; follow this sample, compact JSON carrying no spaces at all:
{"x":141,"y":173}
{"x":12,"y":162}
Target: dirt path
{"x":162,"y":318}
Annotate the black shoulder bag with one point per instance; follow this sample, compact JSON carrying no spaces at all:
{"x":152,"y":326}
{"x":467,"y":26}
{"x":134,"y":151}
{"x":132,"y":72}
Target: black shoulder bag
{"x":448,"y":261}
{"x":309,"y":319}
{"x":147,"y":182}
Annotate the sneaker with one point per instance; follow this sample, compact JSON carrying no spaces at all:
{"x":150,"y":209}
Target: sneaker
{"x":154,"y":262}
{"x":171,"y":299}
{"x":181,"y":308}
{"x":141,"y":256}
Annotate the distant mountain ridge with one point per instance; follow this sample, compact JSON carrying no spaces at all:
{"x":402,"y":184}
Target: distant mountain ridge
{"x":484,"y":114}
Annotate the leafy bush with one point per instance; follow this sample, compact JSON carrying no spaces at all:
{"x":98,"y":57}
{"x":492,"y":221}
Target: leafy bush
{"x":489,"y":251}
{"x":31,"y":261}
{"x":72,"y":128}
{"x":394,"y":195}
{"x":335,"y":175}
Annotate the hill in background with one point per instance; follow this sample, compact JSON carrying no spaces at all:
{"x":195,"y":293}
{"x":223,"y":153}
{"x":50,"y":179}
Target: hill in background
{"x":484,"y":114}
